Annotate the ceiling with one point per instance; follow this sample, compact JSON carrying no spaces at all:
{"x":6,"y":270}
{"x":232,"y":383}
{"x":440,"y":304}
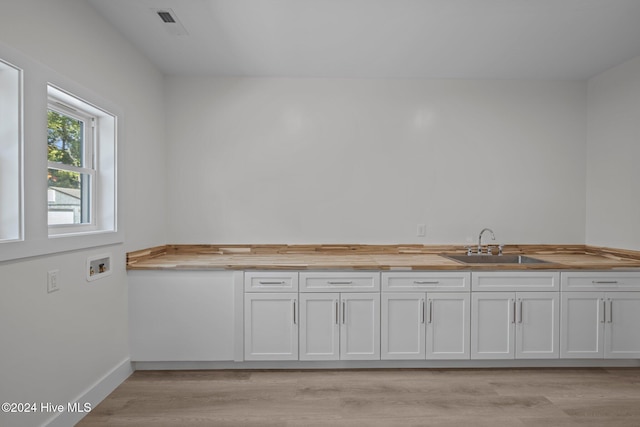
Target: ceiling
{"x":488,"y":39}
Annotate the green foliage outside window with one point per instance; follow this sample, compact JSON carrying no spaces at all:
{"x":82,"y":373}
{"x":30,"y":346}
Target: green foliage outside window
{"x":64,"y":144}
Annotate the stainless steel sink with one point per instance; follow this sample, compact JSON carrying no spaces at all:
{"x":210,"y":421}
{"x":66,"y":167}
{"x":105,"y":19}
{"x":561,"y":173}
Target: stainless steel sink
{"x":494,"y":259}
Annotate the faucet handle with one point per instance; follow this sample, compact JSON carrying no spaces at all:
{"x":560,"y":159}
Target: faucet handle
{"x":489,"y":249}
{"x":500,"y":249}
{"x":469,"y":250}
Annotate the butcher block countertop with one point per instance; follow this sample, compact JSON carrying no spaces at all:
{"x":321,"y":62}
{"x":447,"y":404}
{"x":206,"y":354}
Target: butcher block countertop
{"x":370,"y":257}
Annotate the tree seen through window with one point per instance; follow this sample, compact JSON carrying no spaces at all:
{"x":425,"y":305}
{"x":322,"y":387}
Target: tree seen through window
{"x":65,"y":145}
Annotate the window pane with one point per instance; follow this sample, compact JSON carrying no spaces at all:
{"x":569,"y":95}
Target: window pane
{"x":68,"y":197}
{"x":65,"y":139}
{"x":10,"y":148}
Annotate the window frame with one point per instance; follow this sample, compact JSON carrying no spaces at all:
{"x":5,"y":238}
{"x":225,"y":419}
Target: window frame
{"x":12,"y":204}
{"x":88,"y":193}
{"x":100,"y":127}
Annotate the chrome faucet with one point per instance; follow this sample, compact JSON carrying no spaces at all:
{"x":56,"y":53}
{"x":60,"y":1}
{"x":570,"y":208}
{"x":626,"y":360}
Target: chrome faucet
{"x":493,"y":237}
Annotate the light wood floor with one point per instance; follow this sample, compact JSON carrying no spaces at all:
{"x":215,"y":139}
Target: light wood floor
{"x":434,"y":397}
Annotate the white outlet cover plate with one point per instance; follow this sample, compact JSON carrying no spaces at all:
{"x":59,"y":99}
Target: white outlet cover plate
{"x":52,"y":281}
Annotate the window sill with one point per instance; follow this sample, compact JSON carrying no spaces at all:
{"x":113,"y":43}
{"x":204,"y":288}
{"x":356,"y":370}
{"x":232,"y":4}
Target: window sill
{"x":60,"y":243}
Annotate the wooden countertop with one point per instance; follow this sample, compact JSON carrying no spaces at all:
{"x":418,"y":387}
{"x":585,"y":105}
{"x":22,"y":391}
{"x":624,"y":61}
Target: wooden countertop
{"x":369,"y":257}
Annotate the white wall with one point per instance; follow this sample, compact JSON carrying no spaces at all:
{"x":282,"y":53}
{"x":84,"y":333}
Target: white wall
{"x":56,"y":346}
{"x":613,"y":156}
{"x":365,"y":161}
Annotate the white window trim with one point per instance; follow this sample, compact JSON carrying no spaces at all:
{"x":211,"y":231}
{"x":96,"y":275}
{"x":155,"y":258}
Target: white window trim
{"x":89,"y":141}
{"x":11,"y":174}
{"x":102,"y":126}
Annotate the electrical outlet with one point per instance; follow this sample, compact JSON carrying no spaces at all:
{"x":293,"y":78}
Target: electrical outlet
{"x":52,"y":281}
{"x":421,"y":230}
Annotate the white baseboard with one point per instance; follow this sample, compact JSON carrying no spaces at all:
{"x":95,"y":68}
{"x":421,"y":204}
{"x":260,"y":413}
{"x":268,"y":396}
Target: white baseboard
{"x":93,"y":395}
{"x":393,"y":364}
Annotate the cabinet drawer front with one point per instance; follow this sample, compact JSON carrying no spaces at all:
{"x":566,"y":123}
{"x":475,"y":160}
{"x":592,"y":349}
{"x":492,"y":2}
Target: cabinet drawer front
{"x":271,"y":281}
{"x":445,"y":281}
{"x":600,"y":281}
{"x":334,"y":281}
{"x":497,"y":281}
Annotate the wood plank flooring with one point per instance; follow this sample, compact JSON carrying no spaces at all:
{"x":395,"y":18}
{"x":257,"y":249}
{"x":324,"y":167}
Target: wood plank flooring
{"x":405,"y":397}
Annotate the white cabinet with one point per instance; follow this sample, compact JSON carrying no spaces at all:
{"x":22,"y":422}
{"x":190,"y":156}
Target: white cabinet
{"x":185,"y":315}
{"x":270,"y":326}
{"x":271,"y":315}
{"x":320,"y":326}
{"x":360,"y":326}
{"x":492,"y":325}
{"x":582,"y":325}
{"x":537,"y":325}
{"x":178,"y":316}
{"x":622,"y":325}
{"x":432,"y":324}
{"x":339,"y":325}
{"x":600,"y":314}
{"x":403,"y":325}
{"x":515,"y":315}
{"x":448,"y":325}
{"x":418,"y":325}
{"x":601,"y":324}
{"x":515,"y":325}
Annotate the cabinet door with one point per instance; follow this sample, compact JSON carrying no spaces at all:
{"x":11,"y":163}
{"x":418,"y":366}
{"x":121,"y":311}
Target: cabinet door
{"x":270,"y":326}
{"x":582,"y":325}
{"x":360,"y":326}
{"x":319,"y":326}
{"x":403,"y":325}
{"x":448,"y":325}
{"x":622,"y":325}
{"x":537,"y":325}
{"x":493,"y":325}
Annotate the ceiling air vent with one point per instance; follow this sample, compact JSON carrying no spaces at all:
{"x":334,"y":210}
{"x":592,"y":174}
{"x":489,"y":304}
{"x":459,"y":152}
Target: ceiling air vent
{"x":166,"y":16}
{"x":170,"y":22}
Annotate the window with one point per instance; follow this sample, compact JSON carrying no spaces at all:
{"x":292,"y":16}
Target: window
{"x":81,"y":165}
{"x":10,"y":152}
{"x":71,"y":175}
